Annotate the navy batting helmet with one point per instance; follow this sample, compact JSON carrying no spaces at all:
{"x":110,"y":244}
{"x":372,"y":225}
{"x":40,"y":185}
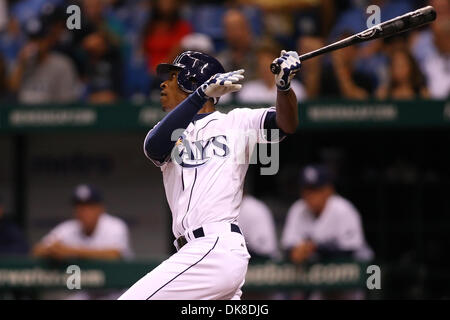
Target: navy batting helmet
{"x":195,"y":68}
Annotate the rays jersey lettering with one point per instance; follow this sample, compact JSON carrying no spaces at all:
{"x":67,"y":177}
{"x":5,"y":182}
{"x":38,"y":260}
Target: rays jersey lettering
{"x":193,"y":154}
{"x":203,"y":180}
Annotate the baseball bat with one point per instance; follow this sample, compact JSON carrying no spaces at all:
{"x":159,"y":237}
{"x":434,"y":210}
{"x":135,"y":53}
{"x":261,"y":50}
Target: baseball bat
{"x":400,"y":24}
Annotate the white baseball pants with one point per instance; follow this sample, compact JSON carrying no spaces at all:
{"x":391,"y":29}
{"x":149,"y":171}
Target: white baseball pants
{"x":212,"y":267}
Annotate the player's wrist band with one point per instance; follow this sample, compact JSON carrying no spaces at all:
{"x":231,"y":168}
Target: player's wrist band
{"x":199,"y":98}
{"x":284,"y":89}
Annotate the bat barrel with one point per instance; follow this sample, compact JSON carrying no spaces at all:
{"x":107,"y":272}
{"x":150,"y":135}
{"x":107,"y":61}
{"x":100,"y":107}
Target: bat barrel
{"x":389,"y":28}
{"x":407,"y":22}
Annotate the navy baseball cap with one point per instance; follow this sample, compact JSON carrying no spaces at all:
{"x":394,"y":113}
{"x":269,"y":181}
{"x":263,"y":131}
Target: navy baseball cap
{"x":36,"y":28}
{"x":40,"y":25}
{"x":86,"y":194}
{"x":315,"y":176}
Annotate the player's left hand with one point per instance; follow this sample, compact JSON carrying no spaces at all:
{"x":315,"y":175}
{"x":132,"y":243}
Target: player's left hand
{"x":290,"y":65}
{"x":221,"y":83}
{"x":60,"y":251}
{"x":302,"y":252}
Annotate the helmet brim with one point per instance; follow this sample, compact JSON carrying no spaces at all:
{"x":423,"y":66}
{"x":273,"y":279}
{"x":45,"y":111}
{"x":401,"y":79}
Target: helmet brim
{"x":165,"y":68}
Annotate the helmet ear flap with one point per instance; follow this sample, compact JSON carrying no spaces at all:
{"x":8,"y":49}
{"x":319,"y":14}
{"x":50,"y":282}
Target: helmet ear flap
{"x":186,"y":81}
{"x":193,"y":81}
{"x":189,"y":83}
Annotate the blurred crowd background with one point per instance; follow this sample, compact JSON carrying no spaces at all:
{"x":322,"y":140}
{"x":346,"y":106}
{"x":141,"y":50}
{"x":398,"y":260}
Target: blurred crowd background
{"x":114,"y":55}
{"x":396,"y":177}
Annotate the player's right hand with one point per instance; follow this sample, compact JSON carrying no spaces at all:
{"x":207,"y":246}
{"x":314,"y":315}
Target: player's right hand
{"x":221,"y":84}
{"x":289,"y":63}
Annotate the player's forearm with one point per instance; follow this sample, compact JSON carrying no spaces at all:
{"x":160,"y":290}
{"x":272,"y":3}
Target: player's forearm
{"x":351,"y":91}
{"x":348,"y":88}
{"x":159,"y":143}
{"x":287,"y":111}
{"x":103,"y":254}
{"x":40,"y":251}
{"x":15,"y":79}
{"x":312,"y":79}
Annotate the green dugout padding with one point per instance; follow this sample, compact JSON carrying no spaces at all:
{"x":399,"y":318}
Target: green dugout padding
{"x":25,"y":273}
{"x":314,"y":114}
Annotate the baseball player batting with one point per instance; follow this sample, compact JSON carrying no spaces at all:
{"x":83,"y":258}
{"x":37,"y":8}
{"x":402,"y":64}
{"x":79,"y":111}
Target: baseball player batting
{"x":203,"y":183}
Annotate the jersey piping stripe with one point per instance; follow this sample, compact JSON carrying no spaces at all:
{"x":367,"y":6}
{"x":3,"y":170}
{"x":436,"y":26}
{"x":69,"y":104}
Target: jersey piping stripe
{"x":185,"y":269}
{"x":204,"y":127}
{"x":182,"y":178}
{"x":261,"y":123}
{"x":195,"y":179}
{"x":261,"y":120}
{"x":190,"y":197}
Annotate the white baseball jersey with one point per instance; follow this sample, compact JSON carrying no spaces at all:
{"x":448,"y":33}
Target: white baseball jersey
{"x":204,"y":184}
{"x":256,"y":222}
{"x":110,"y":233}
{"x":339,"y":225}
{"x":207,"y":185}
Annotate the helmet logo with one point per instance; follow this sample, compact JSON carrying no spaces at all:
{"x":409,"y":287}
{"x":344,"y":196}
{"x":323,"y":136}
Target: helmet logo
{"x":201,"y":70}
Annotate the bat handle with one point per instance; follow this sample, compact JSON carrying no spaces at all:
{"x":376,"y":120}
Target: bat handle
{"x":275,"y":68}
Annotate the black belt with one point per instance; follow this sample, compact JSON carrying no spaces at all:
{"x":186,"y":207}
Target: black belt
{"x":198,"y":233}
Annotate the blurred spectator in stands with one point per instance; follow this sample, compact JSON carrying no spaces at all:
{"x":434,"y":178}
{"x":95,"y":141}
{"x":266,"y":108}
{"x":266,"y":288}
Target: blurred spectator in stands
{"x":263,"y":89}
{"x":348,"y":82}
{"x":4,"y":87}
{"x":97,"y":49}
{"x":163,"y":33}
{"x":133,"y":16}
{"x":11,"y":41}
{"x":285,"y":20}
{"x":25,"y":10}
{"x":406,"y":81}
{"x":94,"y":18}
{"x":93,"y":234}
{"x":197,"y":42}
{"x":257,"y":224}
{"x":311,"y":69}
{"x":104,"y":70}
{"x":42,"y":75}
{"x":354,"y":19}
{"x":337,"y":78}
{"x":323,"y":225}
{"x":3,"y":14}
{"x":431,"y":48}
{"x":240,"y":51}
{"x":12,"y":239}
